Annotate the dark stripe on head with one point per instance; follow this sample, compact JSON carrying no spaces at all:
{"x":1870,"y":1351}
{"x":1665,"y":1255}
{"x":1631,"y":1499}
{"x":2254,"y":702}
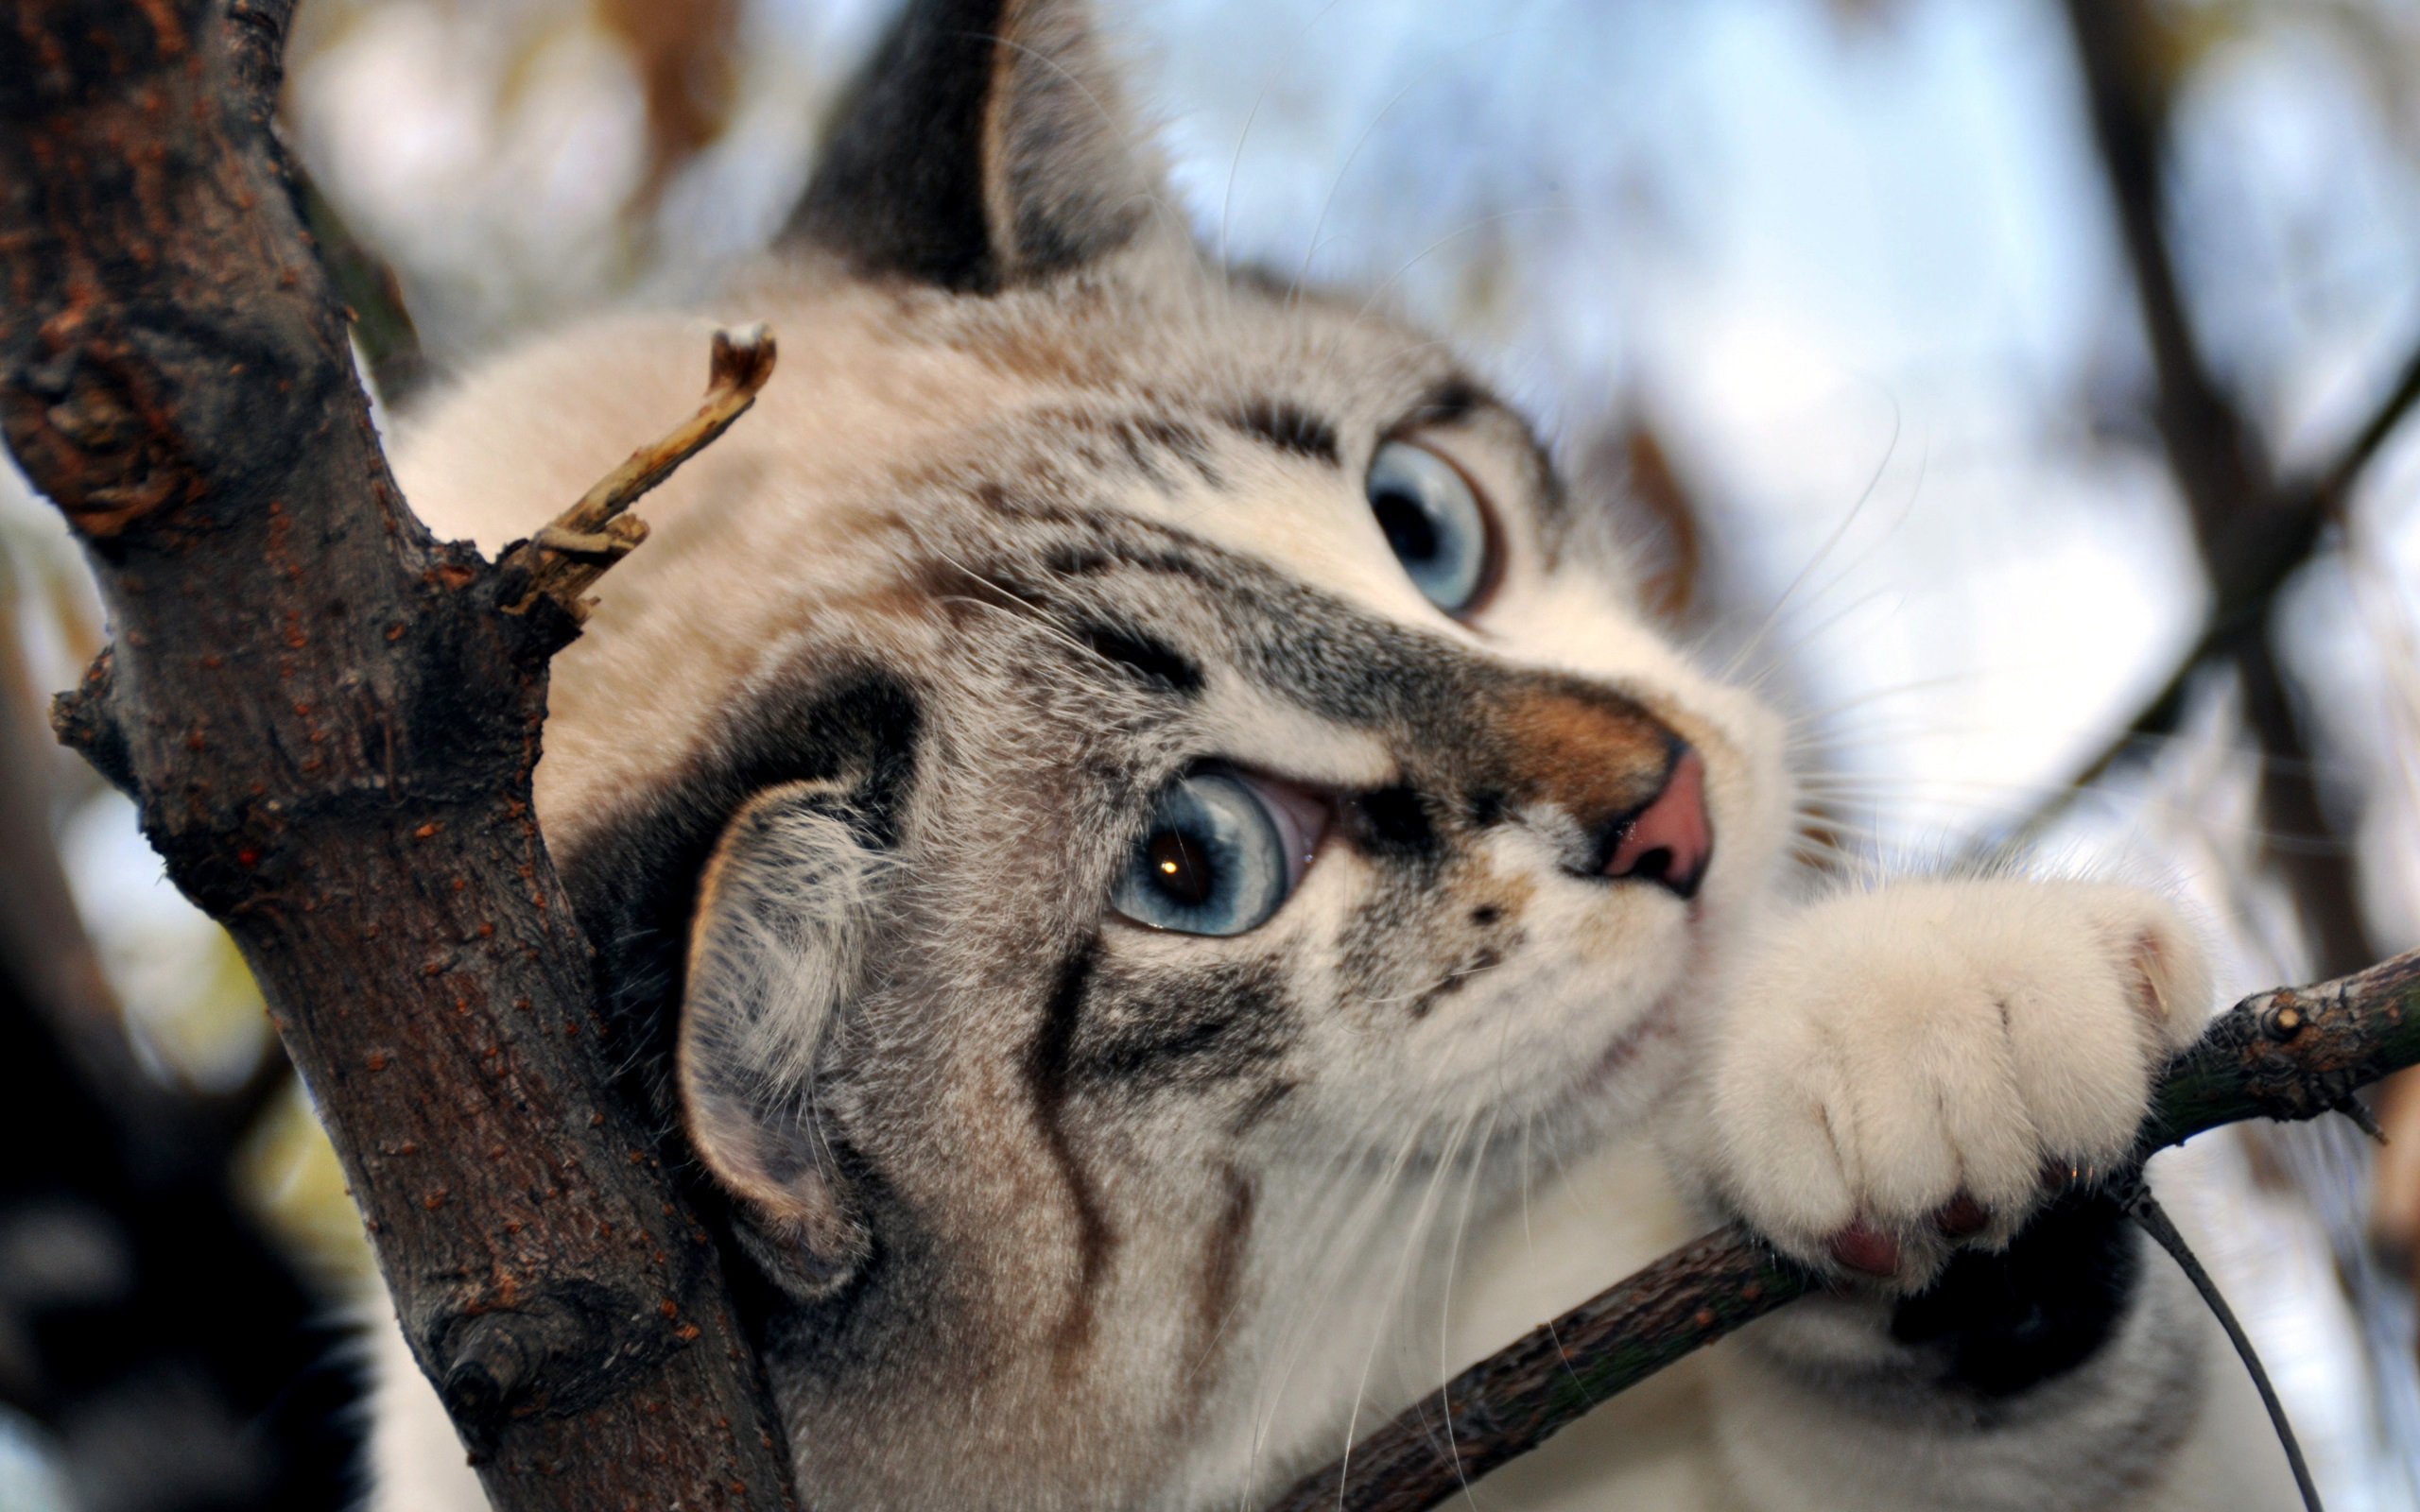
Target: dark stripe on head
{"x":1152,"y":660}
{"x":1288,"y":428}
{"x":1196,"y":1033}
{"x":1222,"y":1271}
{"x":1045,"y":1073}
{"x":1448,"y":402}
{"x":1181,"y":440}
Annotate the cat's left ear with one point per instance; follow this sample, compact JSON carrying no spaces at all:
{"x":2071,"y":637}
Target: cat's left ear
{"x":787,"y":908}
{"x":1624,"y":480}
{"x":986,"y":145}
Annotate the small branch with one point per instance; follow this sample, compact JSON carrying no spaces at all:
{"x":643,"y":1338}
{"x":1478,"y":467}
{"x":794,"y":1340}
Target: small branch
{"x":2327,"y":491}
{"x":2291,"y":1053}
{"x":566,"y":558}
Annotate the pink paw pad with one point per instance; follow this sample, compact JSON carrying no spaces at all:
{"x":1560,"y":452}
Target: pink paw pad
{"x":1962,"y":1217}
{"x":1867,"y":1250}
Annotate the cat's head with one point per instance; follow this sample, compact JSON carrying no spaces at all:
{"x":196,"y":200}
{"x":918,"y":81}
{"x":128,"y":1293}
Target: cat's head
{"x":1195,"y":755}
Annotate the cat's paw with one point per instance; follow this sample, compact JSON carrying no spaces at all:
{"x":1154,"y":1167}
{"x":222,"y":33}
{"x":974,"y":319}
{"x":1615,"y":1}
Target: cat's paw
{"x":1910,"y":1069}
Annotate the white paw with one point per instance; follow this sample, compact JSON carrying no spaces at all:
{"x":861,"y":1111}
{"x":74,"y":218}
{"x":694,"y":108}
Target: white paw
{"x":1900,"y":1070}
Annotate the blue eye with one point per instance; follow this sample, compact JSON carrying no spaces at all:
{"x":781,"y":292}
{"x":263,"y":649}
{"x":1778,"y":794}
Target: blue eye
{"x":1433,"y":522}
{"x":1217,"y":858}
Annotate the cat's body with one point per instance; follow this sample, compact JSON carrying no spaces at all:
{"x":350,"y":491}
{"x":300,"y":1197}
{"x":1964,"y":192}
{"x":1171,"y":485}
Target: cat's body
{"x":1047,"y":542}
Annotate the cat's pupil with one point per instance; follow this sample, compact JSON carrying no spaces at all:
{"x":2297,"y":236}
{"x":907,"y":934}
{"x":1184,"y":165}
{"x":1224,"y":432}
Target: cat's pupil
{"x":1410,"y":530}
{"x":1180,"y":870}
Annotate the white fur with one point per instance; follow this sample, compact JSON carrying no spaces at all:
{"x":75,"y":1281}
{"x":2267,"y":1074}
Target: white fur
{"x":1880,"y":1052}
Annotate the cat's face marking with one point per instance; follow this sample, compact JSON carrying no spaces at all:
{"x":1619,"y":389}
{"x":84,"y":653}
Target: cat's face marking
{"x":1067,"y":1141}
{"x":848,"y":770}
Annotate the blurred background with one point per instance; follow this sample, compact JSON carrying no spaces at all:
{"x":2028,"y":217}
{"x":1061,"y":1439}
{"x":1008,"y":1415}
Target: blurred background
{"x":2017,"y":385}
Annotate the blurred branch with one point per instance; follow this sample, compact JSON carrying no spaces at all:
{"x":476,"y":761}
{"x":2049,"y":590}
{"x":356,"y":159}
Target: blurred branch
{"x":42,"y":944}
{"x":2322,"y":499}
{"x":330,"y":723}
{"x":2328,"y":491}
{"x":362,"y":282}
{"x":2291,"y":1053}
{"x":2252,"y":531}
{"x":45,"y":949}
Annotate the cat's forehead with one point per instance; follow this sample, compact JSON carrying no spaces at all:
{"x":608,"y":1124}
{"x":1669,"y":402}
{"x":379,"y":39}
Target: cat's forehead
{"x":914,"y":444}
{"x":1240,"y":412}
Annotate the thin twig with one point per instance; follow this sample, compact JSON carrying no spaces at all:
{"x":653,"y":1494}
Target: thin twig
{"x":2330,"y":489}
{"x":2154,"y":1220}
{"x":2324,"y":499}
{"x":2291,"y":1053}
{"x":568,"y":556}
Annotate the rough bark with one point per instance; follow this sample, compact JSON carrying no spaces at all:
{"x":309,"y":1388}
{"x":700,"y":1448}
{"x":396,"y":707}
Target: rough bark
{"x":2294,"y":1052}
{"x":330,"y":724}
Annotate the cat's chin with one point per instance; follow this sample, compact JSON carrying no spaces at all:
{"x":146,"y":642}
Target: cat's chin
{"x":1610,"y":1089}
{"x":1623,"y":1061}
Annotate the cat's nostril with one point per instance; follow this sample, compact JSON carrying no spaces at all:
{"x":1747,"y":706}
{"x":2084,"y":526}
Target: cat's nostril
{"x":1670,"y":841}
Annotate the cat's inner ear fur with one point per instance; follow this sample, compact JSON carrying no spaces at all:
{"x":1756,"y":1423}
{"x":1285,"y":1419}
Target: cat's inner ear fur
{"x":985,"y":145}
{"x":1625,"y":479}
{"x":788,"y":909}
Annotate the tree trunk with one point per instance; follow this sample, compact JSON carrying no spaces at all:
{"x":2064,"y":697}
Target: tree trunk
{"x":330,"y":722}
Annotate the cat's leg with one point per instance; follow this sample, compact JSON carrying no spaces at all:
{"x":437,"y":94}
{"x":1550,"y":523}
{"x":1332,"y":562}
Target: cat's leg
{"x":1893,"y":1086}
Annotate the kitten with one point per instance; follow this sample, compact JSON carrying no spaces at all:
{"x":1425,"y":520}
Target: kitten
{"x":1132,"y":811}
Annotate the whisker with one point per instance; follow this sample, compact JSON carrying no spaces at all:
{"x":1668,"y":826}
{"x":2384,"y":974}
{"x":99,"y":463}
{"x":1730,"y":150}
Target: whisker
{"x":1830,"y":545}
{"x":1319,"y":223}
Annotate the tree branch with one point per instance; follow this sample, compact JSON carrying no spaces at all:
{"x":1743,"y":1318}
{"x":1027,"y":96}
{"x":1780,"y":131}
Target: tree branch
{"x":2291,"y":1053}
{"x":330,"y":722}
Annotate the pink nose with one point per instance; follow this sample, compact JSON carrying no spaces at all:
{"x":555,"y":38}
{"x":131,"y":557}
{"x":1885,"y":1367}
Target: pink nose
{"x":1670,"y":841}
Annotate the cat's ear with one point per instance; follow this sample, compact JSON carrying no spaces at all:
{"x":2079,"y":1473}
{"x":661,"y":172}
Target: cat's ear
{"x":787,"y":908}
{"x":1625,"y":481}
{"x":986,"y":145}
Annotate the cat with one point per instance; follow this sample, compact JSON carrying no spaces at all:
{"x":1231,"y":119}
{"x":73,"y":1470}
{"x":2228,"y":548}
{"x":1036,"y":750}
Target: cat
{"x":1132,"y":812}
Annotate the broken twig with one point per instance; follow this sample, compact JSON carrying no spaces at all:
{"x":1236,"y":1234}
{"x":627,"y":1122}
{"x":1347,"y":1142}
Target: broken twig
{"x":567,"y":557}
